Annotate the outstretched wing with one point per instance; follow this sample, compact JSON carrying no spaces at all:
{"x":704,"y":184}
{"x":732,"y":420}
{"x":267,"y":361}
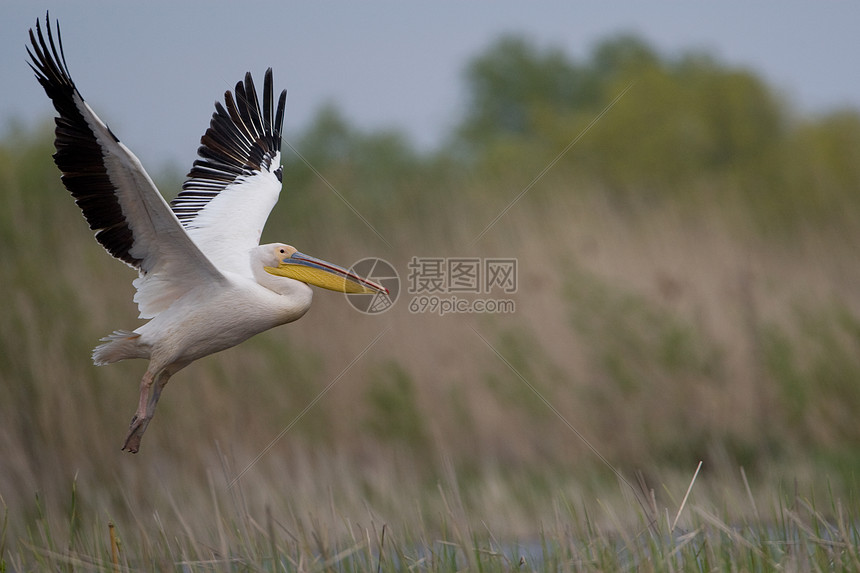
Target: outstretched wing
{"x":233,"y":186}
{"x":131,"y":219}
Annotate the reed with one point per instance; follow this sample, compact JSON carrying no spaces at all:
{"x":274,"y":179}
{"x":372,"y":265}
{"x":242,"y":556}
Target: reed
{"x":652,"y":331}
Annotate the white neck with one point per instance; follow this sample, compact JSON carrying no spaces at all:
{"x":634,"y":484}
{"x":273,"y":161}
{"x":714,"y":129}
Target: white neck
{"x":296,"y":296}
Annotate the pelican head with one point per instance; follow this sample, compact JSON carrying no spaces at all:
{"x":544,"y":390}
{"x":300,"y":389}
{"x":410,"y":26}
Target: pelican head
{"x":313,"y":271}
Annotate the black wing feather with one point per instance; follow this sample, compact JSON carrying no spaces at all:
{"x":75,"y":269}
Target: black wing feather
{"x":79,"y":155}
{"x":241,"y":140}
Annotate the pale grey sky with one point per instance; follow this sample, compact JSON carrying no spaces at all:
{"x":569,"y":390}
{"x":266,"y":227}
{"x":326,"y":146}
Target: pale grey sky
{"x":153,"y":70}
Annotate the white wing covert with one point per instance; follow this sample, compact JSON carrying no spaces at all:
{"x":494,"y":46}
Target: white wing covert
{"x":234,"y":184}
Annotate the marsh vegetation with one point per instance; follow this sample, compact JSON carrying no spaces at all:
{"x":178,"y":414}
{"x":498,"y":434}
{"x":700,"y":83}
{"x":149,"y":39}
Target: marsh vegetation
{"x":687,"y":291}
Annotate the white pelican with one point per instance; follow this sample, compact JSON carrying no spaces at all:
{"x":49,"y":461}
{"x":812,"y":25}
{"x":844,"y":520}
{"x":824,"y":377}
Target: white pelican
{"x":205,"y":283}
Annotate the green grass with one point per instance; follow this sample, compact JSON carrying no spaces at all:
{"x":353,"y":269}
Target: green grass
{"x":783,"y":530}
{"x":660,"y":341}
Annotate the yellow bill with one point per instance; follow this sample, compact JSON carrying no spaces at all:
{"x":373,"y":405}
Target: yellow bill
{"x":323,"y":274}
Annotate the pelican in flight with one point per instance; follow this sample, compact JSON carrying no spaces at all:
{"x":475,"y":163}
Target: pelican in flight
{"x":205,"y":283}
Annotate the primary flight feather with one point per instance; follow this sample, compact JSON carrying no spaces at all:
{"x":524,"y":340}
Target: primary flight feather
{"x":205,"y":283}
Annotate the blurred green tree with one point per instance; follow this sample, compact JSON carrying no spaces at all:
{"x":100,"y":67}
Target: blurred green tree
{"x":687,"y":118}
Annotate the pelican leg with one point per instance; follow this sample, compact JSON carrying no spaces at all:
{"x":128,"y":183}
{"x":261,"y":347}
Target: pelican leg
{"x":149,"y":396}
{"x":161,"y":382}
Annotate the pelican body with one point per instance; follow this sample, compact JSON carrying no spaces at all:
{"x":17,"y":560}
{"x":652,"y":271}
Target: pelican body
{"x":204,"y":282}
